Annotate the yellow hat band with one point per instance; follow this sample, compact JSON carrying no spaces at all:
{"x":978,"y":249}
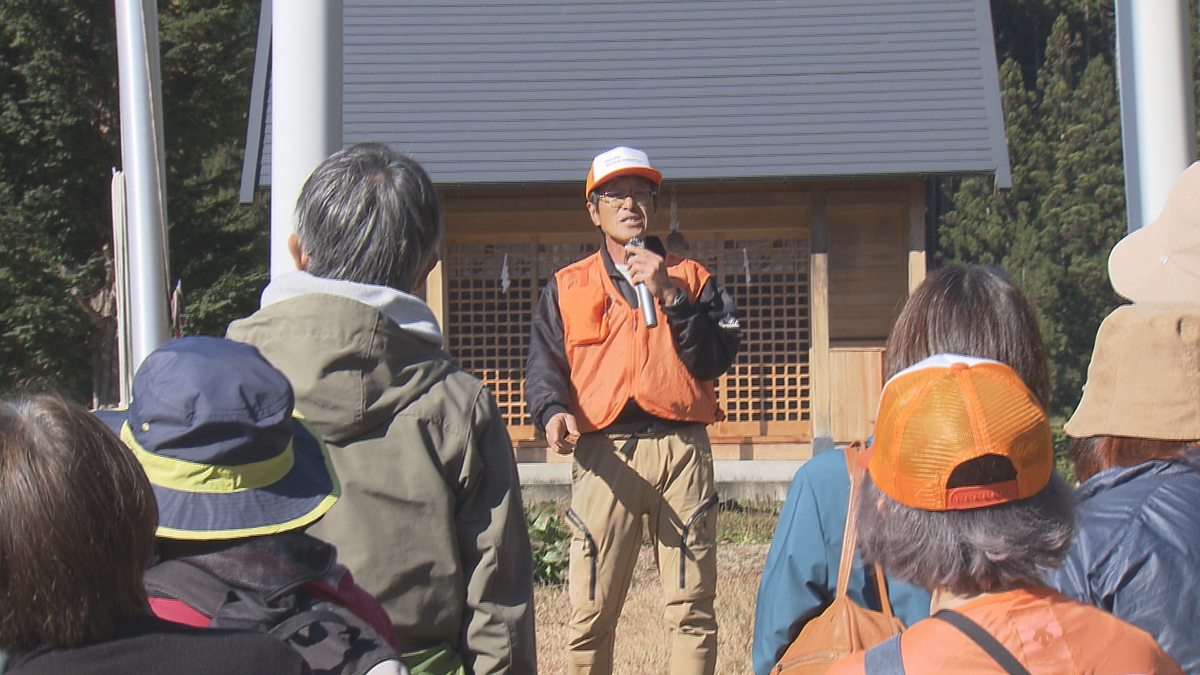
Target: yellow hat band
{"x":185,"y":476}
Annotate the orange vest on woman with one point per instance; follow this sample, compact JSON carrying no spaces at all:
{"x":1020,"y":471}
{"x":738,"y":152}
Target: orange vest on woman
{"x":613,"y":357}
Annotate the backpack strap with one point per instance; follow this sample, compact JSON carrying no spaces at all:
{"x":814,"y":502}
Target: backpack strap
{"x":189,"y":584}
{"x":884,"y":658}
{"x":285,"y":629}
{"x":334,"y":643}
{"x":984,"y":639}
{"x":850,"y":536}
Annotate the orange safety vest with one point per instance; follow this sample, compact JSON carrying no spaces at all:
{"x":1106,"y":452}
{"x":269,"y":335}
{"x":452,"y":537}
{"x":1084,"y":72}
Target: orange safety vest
{"x":613,"y":357}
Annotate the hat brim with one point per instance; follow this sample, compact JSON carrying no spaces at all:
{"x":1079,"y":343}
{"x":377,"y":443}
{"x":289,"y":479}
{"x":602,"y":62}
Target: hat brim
{"x":1160,"y":263}
{"x":651,"y":174}
{"x":1144,"y":268}
{"x":1142,"y":378}
{"x":298,"y":499}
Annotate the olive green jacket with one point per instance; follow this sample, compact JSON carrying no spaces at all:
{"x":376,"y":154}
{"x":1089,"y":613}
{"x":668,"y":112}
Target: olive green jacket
{"x":430,"y":519}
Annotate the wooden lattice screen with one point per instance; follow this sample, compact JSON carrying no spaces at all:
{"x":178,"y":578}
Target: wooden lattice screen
{"x":766,"y":392}
{"x":487,"y":327}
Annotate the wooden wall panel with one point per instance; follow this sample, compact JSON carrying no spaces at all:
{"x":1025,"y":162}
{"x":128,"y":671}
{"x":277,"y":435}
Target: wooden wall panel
{"x":492,"y":285}
{"x":767,"y":392}
{"x":858,"y":373}
{"x":868,"y":268}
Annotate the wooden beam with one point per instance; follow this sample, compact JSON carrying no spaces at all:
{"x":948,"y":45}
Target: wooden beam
{"x":820,"y":372}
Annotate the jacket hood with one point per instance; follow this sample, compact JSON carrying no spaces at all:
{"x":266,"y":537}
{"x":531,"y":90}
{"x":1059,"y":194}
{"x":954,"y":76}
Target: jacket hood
{"x":409,"y":312}
{"x":354,"y":361}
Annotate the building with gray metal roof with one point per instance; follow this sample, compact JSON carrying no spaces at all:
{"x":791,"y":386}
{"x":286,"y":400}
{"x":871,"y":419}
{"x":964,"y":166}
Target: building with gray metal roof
{"x":796,"y":137}
{"x":499,"y":91}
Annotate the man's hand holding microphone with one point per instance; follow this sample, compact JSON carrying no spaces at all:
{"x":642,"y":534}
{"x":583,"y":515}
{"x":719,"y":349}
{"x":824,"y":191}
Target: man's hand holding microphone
{"x":648,"y":271}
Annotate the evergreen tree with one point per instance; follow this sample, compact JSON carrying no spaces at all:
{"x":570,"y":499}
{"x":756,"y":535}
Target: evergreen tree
{"x":219,"y":247}
{"x":58,"y":142}
{"x":1022,"y":28}
{"x":59,"y":139}
{"x":1194,"y":32}
{"x":1053,"y":231}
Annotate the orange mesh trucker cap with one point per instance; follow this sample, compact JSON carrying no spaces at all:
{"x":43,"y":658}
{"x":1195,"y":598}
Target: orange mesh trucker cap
{"x":620,"y":161}
{"x":948,"y":410}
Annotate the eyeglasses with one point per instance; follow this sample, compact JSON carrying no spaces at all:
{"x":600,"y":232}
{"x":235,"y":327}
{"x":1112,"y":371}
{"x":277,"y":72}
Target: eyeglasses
{"x":617,"y":197}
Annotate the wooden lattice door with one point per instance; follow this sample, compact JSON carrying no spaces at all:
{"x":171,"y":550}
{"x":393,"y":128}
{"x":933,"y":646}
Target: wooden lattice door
{"x":766,"y":394}
{"x":488,"y":324}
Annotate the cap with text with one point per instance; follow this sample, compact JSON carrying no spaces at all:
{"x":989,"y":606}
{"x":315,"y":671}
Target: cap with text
{"x":949,"y":410}
{"x":620,"y":161}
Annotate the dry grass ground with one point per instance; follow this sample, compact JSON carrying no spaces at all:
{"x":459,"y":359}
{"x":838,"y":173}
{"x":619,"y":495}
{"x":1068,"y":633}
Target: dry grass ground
{"x":642,"y":639}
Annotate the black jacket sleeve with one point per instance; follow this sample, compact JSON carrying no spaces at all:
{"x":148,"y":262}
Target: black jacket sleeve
{"x":707,"y":332}
{"x":547,"y":376}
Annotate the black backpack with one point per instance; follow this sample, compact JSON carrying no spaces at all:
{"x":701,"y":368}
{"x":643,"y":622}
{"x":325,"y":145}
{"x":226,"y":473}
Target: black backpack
{"x":332,"y":639}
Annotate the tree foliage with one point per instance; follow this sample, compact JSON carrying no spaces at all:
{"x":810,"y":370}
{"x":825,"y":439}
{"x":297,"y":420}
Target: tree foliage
{"x":60,"y":139}
{"x":219,"y":247}
{"x":1053,"y":230}
{"x":59,"y":134}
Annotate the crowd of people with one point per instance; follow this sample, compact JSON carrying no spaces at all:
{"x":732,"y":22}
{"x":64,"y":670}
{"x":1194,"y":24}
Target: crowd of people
{"x":325,"y":490}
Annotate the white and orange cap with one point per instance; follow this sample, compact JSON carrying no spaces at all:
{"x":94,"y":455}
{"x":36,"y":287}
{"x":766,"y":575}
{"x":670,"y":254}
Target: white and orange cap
{"x":620,"y":161}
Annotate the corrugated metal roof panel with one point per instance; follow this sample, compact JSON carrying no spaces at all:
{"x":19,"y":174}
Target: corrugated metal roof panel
{"x":494,"y":91}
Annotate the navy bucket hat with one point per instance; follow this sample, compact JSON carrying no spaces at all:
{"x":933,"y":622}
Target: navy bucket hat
{"x":214,"y":426}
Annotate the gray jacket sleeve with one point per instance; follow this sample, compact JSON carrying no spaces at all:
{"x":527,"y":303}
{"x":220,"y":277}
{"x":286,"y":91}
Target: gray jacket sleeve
{"x":498,"y":633}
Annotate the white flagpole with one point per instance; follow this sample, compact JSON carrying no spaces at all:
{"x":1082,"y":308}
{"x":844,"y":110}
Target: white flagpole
{"x":306,"y":107}
{"x":1155,"y":75}
{"x":145,"y":176}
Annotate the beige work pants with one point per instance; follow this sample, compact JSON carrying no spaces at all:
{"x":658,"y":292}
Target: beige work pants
{"x":668,"y":477}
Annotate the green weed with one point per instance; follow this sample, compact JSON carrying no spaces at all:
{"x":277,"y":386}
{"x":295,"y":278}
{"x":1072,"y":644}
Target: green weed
{"x":551,"y":540}
{"x":747,"y":522}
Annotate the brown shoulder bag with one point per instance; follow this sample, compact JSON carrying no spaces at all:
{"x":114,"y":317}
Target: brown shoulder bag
{"x":843,"y":627}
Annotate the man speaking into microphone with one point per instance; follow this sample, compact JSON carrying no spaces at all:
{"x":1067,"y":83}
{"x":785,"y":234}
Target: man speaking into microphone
{"x":625,"y":346}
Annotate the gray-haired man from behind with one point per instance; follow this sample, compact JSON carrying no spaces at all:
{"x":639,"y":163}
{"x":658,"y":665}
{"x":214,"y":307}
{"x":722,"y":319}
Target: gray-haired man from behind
{"x":430,"y":519}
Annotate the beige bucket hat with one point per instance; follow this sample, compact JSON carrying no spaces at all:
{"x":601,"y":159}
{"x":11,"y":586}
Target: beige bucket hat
{"x":1144,"y":378}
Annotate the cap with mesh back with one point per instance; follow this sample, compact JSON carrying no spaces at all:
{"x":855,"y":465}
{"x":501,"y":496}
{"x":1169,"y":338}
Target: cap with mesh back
{"x":948,"y":410}
{"x":617,"y":162}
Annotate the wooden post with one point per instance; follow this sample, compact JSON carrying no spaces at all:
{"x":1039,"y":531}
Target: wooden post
{"x":435,"y":294}
{"x":916,"y":234}
{"x":819,"y":368}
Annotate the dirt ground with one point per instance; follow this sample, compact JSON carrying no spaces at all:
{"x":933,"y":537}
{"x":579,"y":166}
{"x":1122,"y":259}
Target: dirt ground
{"x":642,"y":639}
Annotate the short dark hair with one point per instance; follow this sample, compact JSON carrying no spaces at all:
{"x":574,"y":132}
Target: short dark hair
{"x":77,"y":526}
{"x":985,"y":550}
{"x":1093,"y":454}
{"x":974,"y":311}
{"x":369,"y":214}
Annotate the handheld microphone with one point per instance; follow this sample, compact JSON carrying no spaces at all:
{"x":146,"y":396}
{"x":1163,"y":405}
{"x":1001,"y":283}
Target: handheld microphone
{"x":645,"y":299}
